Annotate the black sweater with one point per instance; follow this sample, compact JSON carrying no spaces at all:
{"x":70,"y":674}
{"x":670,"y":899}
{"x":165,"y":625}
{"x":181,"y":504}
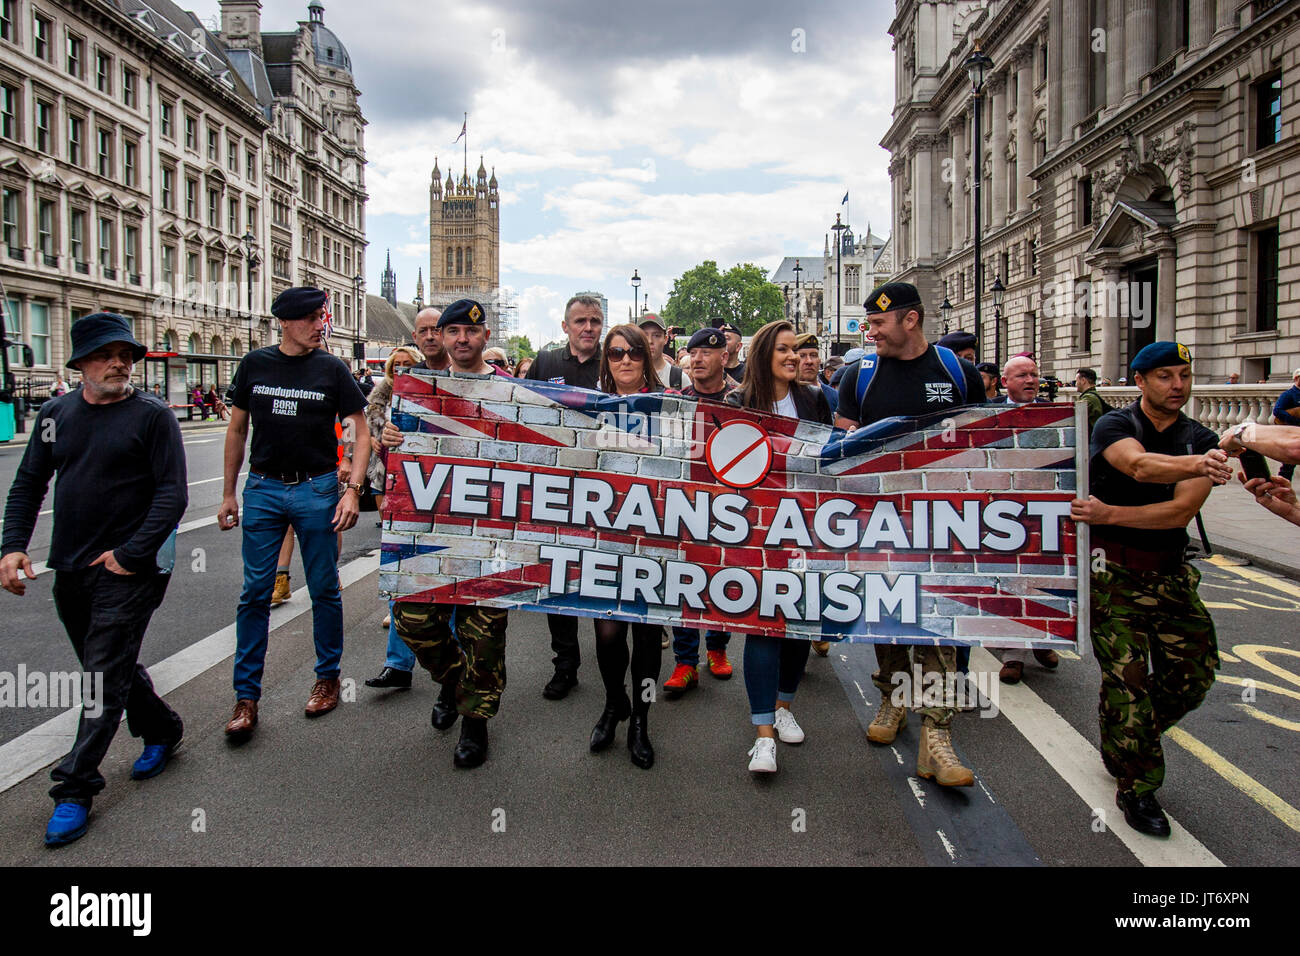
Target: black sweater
{"x":121,"y":481}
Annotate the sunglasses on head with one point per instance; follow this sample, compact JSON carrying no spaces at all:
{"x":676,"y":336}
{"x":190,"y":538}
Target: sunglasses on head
{"x":618,"y":353}
{"x":499,"y":363}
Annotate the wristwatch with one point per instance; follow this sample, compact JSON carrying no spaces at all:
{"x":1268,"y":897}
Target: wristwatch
{"x":1237,"y":432}
{"x":354,"y":486}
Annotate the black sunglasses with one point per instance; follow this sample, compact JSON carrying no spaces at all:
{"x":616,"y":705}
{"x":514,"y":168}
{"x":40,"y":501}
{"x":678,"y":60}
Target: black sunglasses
{"x":617,"y":353}
{"x":499,"y":363}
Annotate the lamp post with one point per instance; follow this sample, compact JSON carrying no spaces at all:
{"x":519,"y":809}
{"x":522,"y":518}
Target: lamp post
{"x":785,"y":293}
{"x":977,"y":66}
{"x":636,"y":284}
{"x":945,"y":310}
{"x":997,"y":289}
{"x":358,"y":284}
{"x":250,"y":256}
{"x":838,"y":229}
{"x":797,"y":269}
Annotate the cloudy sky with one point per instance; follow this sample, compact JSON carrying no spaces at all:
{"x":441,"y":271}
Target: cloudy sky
{"x":624,"y":136}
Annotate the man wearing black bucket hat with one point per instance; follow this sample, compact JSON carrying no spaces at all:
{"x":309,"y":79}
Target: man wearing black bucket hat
{"x":291,"y":393}
{"x":121,"y":490}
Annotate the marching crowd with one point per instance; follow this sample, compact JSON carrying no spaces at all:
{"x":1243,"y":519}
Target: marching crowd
{"x":121,"y":492}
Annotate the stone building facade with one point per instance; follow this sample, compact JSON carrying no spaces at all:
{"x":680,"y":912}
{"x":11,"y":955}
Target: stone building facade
{"x":1134,"y":161}
{"x":465,"y":241}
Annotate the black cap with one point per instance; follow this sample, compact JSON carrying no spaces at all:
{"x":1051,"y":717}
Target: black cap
{"x":94,"y":331}
{"x":707,"y":339}
{"x":957,"y":341}
{"x":891,"y":296}
{"x":298,"y":302}
{"x":726,"y":326}
{"x":463,"y":312}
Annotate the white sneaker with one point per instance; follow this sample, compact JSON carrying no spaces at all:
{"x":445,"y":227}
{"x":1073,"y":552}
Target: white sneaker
{"x":763,"y":756}
{"x":787,"y":728}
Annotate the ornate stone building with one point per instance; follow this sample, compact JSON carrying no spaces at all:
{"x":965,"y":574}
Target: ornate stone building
{"x":465,"y":241}
{"x":1134,"y":161}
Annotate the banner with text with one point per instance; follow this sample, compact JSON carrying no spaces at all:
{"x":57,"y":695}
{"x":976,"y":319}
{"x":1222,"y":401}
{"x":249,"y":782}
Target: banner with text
{"x":947,"y":528}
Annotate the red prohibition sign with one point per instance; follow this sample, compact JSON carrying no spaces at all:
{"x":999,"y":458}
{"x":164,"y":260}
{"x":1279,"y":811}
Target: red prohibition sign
{"x":739,"y":454}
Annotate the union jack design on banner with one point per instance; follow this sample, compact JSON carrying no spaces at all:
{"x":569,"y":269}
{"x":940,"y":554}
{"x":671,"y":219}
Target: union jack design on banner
{"x":950,"y":528}
{"x":328,"y":330}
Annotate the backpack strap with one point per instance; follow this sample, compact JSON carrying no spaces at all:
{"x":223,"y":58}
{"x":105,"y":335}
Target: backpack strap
{"x":866,"y":374}
{"x":953,"y":366}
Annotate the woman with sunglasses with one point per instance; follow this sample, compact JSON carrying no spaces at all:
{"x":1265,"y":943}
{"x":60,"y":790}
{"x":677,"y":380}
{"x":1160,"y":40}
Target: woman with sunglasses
{"x":774,"y":665}
{"x":625,"y":369}
{"x":497,"y":359}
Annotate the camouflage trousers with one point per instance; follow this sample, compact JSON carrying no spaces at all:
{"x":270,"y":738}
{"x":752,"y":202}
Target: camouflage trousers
{"x":897,"y":659}
{"x":472,"y":658}
{"x":1156,"y":646}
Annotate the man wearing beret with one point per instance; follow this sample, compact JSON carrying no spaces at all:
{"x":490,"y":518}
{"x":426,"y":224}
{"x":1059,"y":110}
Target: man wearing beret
{"x":810,"y":366}
{"x":961,"y":343}
{"x":468,"y":662}
{"x":735,"y":367}
{"x":1151,"y":469}
{"x":909,"y":376}
{"x":292,"y":394}
{"x":121,"y":491}
{"x":708,"y":351}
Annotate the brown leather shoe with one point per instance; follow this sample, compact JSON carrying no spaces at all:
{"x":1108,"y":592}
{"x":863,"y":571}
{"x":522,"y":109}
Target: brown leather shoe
{"x":324,"y":697}
{"x":1048,"y":658}
{"x":1011,"y":672}
{"x":244,"y":719}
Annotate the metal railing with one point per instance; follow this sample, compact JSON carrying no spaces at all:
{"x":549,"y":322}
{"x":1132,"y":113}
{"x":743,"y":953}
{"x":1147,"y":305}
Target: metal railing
{"x":1215,"y":406}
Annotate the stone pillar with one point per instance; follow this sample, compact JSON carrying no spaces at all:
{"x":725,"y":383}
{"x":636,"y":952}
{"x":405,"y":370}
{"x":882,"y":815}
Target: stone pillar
{"x":1139,"y":46}
{"x":957,"y":223}
{"x":1114,"y":55}
{"x":1201,"y":27}
{"x":1166,"y":290}
{"x":922,"y":198}
{"x":1109,"y":317}
{"x":1074,"y":67}
{"x":1024,"y":63}
{"x":1055,"y":24}
{"x":1226,"y":23}
{"x":997,"y":90}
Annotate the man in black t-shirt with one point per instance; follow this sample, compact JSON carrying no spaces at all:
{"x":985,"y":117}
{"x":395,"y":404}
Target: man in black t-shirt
{"x":577,"y":363}
{"x":1151,"y":469}
{"x":909,"y":378}
{"x":292,"y":393}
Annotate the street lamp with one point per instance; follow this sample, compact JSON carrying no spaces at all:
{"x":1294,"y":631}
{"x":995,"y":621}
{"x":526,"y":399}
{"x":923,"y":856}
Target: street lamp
{"x":250,"y":255}
{"x":785,"y":292}
{"x":945,"y":310}
{"x":977,"y":66}
{"x":997,"y":289}
{"x":358,"y":284}
{"x":838,"y":229}
{"x":797,"y":269}
{"x":636,"y":284}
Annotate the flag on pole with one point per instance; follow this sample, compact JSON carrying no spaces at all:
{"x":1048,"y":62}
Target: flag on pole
{"x":463,"y":128}
{"x":845,"y":199}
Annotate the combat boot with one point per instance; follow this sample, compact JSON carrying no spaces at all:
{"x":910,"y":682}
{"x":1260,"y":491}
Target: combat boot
{"x":472,"y":749}
{"x":936,"y":760}
{"x":889,"y":720}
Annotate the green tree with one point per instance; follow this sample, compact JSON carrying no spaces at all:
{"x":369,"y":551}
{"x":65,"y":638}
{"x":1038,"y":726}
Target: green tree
{"x":520,"y":346}
{"x":742,"y":296}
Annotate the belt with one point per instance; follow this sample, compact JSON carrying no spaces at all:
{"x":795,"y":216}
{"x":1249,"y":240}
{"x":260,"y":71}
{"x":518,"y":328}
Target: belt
{"x":287,"y":478}
{"x":1138,"y":559}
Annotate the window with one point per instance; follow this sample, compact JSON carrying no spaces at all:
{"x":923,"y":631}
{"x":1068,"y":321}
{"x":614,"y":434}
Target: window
{"x":214,"y":280}
{"x":250,"y":218}
{"x":191,"y":132}
{"x":214,"y":209}
{"x":7,"y":28}
{"x":45,"y":230}
{"x":103,"y":72}
{"x":129,"y":152}
{"x":212,"y":145}
{"x":1268,"y":111}
{"x":41,"y":30}
{"x":105,"y":153}
{"x":232,"y":156}
{"x":325,"y":251}
{"x":13,"y":328}
{"x":232,"y":215}
{"x":851,"y":283}
{"x":77,"y":235}
{"x":169,"y":265}
{"x":191,"y":199}
{"x":106,"y":247}
{"x":76,"y":128}
{"x":166,"y":119}
{"x":9,"y":112}
{"x":460,"y":261}
{"x":451,"y":266}
{"x":250,"y":165}
{"x":130,"y":84}
{"x":191,"y":268}
{"x":1033,"y":257}
{"x":44,"y":122}
{"x":76,"y":56}
{"x":38,"y":332}
{"x":131,"y":249}
{"x":1084,"y":217}
{"x":1266,"y":262}
{"x":169,"y":188}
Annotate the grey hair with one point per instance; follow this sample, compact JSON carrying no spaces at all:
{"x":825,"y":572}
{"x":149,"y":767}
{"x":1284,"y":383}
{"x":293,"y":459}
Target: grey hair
{"x":588,"y":300}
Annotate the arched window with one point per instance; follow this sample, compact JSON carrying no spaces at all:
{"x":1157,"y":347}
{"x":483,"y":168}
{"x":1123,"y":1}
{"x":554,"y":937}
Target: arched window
{"x":193,"y":347}
{"x":172,"y":341}
{"x":469,"y":260}
{"x":234,"y":347}
{"x":450,"y":263}
{"x":216,"y":345}
{"x":460,"y":261}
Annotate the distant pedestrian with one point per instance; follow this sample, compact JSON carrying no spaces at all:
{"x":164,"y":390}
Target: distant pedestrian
{"x":1085,"y":385}
{"x":120,"y":491}
{"x":521,"y":370}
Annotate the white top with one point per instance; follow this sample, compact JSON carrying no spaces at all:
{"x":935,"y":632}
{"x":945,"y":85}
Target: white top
{"x":786,"y":406}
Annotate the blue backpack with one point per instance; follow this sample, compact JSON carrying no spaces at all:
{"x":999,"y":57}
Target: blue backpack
{"x":951,"y":364}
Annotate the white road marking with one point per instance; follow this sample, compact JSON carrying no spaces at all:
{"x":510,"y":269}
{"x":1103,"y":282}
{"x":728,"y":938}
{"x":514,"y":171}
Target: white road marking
{"x":40,"y":746}
{"x":897,"y":755}
{"x":1079,"y":764}
{"x":917,"y":791}
{"x":952,"y":853}
{"x":859,"y":687}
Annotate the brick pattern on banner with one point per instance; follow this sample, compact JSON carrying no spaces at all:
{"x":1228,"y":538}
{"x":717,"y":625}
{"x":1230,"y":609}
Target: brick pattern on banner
{"x":947,"y":528}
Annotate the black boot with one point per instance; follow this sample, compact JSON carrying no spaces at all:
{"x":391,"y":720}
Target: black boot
{"x":391,"y":677}
{"x":602,"y":735}
{"x":473,"y":746}
{"x":444,"y":708}
{"x":638,"y":742}
{"x":1143,"y":813}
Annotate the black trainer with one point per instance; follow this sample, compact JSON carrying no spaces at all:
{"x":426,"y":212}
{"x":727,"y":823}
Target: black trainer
{"x":560,"y":685}
{"x":391,"y":677}
{"x":1143,"y":813}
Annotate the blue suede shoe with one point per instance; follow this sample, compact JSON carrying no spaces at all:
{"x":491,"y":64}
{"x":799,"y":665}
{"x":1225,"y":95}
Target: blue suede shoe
{"x":67,"y":824}
{"x":153,"y":760}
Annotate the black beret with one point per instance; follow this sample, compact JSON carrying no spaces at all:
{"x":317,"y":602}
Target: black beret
{"x":805,"y":341}
{"x":988,"y":368}
{"x":1160,"y":354}
{"x":726,"y":326}
{"x":298,"y":302}
{"x":707,"y":339}
{"x":957,"y":341}
{"x":891,"y":296}
{"x":463,"y":312}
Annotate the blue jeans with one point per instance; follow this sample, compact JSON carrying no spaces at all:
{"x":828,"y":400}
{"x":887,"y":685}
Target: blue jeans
{"x":397,"y":655}
{"x":270,"y":507}
{"x":686,"y":644}
{"x":773,"y":668}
